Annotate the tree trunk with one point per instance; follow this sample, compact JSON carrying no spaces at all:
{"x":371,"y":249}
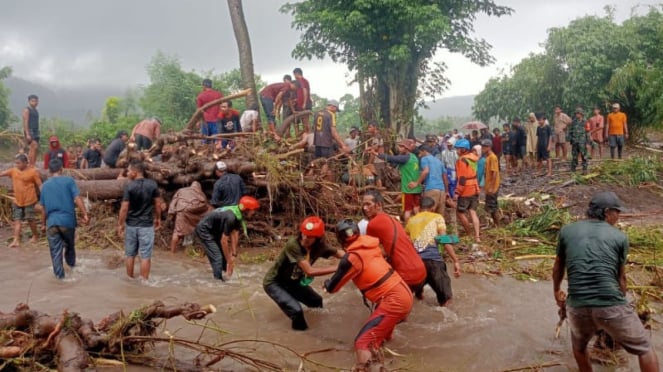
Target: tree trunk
{"x":87,"y":174}
{"x":245,"y":54}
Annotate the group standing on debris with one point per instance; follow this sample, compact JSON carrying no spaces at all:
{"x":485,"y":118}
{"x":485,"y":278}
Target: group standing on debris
{"x":389,"y":261}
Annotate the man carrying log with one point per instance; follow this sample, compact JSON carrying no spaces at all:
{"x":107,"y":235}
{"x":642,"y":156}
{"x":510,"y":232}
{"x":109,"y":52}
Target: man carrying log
{"x":141,"y":211}
{"x":219,"y":232}
{"x":593,"y":253}
{"x":59,"y":196}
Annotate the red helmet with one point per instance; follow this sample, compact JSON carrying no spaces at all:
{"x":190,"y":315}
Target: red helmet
{"x":312,"y":226}
{"x":248,"y":202}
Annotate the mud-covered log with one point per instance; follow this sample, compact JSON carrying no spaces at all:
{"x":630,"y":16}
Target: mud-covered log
{"x":102,"y":189}
{"x":71,"y":355}
{"x":87,"y":174}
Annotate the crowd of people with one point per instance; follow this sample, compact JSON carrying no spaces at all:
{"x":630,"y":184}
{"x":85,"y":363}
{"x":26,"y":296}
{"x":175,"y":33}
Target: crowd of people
{"x":389,"y":260}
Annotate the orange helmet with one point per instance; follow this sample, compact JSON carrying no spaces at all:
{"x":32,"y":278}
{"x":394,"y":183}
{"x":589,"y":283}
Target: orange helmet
{"x":248,"y":202}
{"x":312,"y":226}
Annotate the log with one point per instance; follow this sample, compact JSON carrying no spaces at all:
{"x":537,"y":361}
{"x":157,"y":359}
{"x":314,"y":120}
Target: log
{"x":191,"y":125}
{"x":102,"y":189}
{"x":285,"y":125}
{"x":87,"y":174}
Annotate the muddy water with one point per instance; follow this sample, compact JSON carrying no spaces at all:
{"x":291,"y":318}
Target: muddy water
{"x":493,"y":324}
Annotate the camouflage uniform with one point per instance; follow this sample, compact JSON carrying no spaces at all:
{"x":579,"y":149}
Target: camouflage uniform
{"x":578,"y":140}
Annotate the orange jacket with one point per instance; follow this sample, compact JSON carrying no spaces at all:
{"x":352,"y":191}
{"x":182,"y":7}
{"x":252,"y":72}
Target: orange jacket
{"x":365,"y":265}
{"x":466,"y":171}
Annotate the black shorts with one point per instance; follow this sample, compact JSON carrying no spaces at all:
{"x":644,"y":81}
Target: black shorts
{"x":520,"y":152}
{"x":542,"y":153}
{"x":467,"y":203}
{"x":491,"y":202}
{"x":324,"y":152}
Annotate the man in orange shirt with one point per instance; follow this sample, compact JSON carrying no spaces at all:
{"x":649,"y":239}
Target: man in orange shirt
{"x":616,"y":130}
{"x":25,"y":182}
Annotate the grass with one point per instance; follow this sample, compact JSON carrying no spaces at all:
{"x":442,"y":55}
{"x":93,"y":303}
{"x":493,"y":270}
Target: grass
{"x":630,"y":172}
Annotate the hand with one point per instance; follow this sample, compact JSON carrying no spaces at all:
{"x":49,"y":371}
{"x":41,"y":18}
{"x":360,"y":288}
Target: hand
{"x":43,"y":228}
{"x":157,"y":224}
{"x":560,"y":298}
{"x":626,"y":135}
{"x":120,"y":231}
{"x":86,"y":219}
{"x":457,"y":269}
{"x":412,"y":185}
{"x":28,"y":138}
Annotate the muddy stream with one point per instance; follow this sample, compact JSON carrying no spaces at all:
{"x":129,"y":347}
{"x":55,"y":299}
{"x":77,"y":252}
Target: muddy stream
{"x":494,"y":323}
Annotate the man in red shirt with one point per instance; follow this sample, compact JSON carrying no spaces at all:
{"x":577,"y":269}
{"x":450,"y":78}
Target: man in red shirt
{"x":271,"y":98}
{"x":304,"y":101}
{"x":208,"y":125}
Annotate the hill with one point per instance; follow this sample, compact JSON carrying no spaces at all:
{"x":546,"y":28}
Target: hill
{"x":457,"y":106}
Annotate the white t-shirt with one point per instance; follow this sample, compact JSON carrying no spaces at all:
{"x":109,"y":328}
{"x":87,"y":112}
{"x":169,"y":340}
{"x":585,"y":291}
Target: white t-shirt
{"x":247,"y":118}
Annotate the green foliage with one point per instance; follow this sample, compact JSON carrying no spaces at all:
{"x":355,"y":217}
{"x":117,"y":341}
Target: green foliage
{"x":631,"y":172}
{"x":112,"y":109}
{"x":393,"y":55}
{"x":6,"y":116}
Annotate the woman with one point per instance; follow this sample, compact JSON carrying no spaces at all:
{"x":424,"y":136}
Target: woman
{"x":287,"y":282}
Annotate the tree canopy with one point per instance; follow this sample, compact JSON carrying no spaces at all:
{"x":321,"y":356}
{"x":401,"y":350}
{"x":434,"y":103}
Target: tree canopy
{"x":593,"y":61}
{"x":6,"y":116}
{"x":390,"y":45}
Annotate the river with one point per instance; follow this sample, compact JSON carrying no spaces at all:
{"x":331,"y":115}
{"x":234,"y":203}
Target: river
{"x":495,"y":323}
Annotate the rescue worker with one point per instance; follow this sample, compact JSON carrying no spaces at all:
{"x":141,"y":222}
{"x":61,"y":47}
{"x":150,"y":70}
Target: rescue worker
{"x":219,"y":232}
{"x":467,"y":190}
{"x":288,"y":281}
{"x":55,"y":151}
{"x":378,"y":282}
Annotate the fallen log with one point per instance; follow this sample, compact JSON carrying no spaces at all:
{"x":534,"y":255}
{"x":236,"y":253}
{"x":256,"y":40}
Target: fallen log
{"x":285,"y":125}
{"x":86,"y":174}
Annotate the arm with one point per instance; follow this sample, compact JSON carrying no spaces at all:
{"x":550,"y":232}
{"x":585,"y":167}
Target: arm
{"x":625,"y":127}
{"x":622,"y":279}
{"x":309,"y":270}
{"x":157,"y":212}
{"x":345,"y":272}
{"x":79,"y":203}
{"x":26,"y":129}
{"x":558,"y":276}
{"x":420,"y":180}
{"x":395,"y":159}
{"x":234,"y":241}
{"x":445,"y":180}
{"x":339,"y":140}
{"x":124,"y":209}
{"x":452,"y":254}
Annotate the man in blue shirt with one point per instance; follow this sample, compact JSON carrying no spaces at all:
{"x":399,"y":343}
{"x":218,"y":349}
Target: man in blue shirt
{"x":58,"y":196}
{"x":434,"y":179}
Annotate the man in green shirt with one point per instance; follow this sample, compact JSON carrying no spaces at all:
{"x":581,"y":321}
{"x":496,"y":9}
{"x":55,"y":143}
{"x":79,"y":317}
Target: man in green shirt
{"x":408,"y":165}
{"x":593,"y":253}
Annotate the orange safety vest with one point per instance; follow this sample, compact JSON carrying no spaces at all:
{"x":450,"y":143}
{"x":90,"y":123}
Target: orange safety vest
{"x":466,"y":171}
{"x":375,"y":277}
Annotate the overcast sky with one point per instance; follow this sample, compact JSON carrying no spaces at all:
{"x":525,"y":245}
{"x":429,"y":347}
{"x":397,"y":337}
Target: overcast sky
{"x":83,"y":42}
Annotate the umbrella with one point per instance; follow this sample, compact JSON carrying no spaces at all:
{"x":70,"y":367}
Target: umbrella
{"x":474,"y":125}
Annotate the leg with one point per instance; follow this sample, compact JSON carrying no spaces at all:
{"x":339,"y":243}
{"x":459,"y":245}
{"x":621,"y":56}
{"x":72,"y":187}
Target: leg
{"x":145,"y":247}
{"x":574,"y":156}
{"x":130,"y":248}
{"x":620,"y":145}
{"x":307,"y":296}
{"x":129,"y":264}
{"x":33,"y":228}
{"x":17,"y":234}
{"x":145,"y":265}
{"x":56,"y":245}
{"x":438,"y":279}
{"x":460,"y":216}
{"x":582,"y":330}
{"x":175,"y":241}
{"x":288,"y":304}
{"x":213,"y":251}
{"x":69,"y":236}
{"x":32,"y":152}
{"x":475,"y":224}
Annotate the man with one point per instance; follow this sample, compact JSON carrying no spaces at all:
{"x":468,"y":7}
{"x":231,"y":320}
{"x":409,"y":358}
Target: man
{"x":593,"y":254}
{"x":352,"y":141}
{"x":59,"y":196}
{"x":433,"y":143}
{"x":116,"y":146}
{"x":325,"y":133}
{"x":208,"y":124}
{"x":497,"y":144}
{"x":228,"y":189}
{"x":448,"y":157}
{"x":506,"y":147}
{"x":25,"y":183}
{"x":55,"y":151}
{"x":422,"y":228}
{"x":433,"y":177}
{"x":365,"y":266}
{"x":467,"y":190}
{"x":578,"y":139}
{"x":146,"y":132}
{"x":228,"y":120}
{"x":561,"y":121}
{"x":398,"y":248}
{"x":518,"y":145}
{"x":219,"y":232}
{"x":530,"y":130}
{"x":616,"y":130}
{"x":250,"y":119}
{"x":596,"y":126}
{"x":491,"y":185}
{"x":186,"y":209}
{"x":92,"y":155}
{"x":271,"y":98}
{"x":408,"y":166}
{"x":374,"y":147}
{"x":304,"y":101}
{"x":31,"y":128}
{"x":544,"y":143}
{"x":141,"y":211}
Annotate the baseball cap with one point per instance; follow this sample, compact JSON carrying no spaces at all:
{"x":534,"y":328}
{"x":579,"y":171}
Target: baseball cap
{"x":220,"y":165}
{"x":333,"y":102}
{"x":607,"y":200}
{"x":615,"y":105}
{"x":354,"y":129}
{"x":579,"y":110}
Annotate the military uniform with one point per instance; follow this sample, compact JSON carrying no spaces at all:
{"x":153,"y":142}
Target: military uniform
{"x":578,"y":140}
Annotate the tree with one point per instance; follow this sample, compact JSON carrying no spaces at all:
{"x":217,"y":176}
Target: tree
{"x":390,"y":46}
{"x":6,"y":116}
{"x":245,"y":54}
{"x":112,"y":109}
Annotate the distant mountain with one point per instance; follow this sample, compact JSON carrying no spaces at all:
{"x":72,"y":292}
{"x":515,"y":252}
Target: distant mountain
{"x":77,"y":104}
{"x":458,"y":106}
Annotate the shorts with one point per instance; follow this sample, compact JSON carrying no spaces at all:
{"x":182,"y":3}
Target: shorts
{"x":559,"y":137}
{"x":392,"y":309}
{"x":440,"y":199}
{"x":324,"y":152}
{"x":616,"y":141}
{"x":138,"y":240}
{"x":491,"y":202}
{"x":619,"y":321}
{"x":520,"y":151}
{"x":411,"y":201}
{"x":467,"y":203}
{"x":142,"y":142}
{"x":542,"y":154}
{"x":34,"y":134}
{"x":26,"y":213}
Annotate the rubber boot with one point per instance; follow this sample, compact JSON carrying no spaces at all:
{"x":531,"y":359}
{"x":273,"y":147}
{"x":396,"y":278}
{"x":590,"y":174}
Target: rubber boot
{"x":299,"y":323}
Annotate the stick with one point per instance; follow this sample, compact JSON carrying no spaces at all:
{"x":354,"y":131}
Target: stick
{"x":534,"y":367}
{"x":534,"y":257}
{"x":196,"y":115}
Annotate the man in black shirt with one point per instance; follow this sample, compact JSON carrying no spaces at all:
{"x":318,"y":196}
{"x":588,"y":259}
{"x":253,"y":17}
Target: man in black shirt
{"x":518,"y":144}
{"x":141,"y":211}
{"x":92,"y":156}
{"x":219,"y":232}
{"x":228,"y":188}
{"x":115,"y":148}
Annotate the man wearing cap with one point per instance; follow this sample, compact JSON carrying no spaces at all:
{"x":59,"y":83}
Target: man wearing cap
{"x":616,"y":130}
{"x":55,"y":151}
{"x":561,"y":121}
{"x":116,"y":146}
{"x":325,"y":133}
{"x":353,"y":140}
{"x":208,"y":124}
{"x":593,"y":254}
{"x":228,"y":189}
{"x":578,"y":140}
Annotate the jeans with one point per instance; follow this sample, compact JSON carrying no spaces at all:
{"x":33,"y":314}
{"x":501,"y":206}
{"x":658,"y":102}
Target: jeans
{"x":213,"y":251}
{"x":61,"y":241}
{"x":268,"y":106}
{"x":288,"y":298}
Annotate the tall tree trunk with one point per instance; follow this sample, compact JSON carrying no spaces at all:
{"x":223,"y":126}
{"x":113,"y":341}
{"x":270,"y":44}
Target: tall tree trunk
{"x":245,"y":54}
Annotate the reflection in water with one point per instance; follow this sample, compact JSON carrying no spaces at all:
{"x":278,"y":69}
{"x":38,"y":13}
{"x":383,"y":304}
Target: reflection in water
{"x":493,"y":323}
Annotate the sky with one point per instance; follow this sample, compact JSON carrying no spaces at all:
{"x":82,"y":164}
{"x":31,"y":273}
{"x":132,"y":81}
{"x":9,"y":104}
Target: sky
{"x":81,"y":42}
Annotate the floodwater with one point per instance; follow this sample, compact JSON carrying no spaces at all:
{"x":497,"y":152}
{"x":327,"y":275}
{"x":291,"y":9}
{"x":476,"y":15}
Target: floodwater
{"x":494,"y":323}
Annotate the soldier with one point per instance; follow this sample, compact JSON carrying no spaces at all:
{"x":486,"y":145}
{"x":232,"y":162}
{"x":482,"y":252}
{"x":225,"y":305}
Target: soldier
{"x":578,"y":140}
